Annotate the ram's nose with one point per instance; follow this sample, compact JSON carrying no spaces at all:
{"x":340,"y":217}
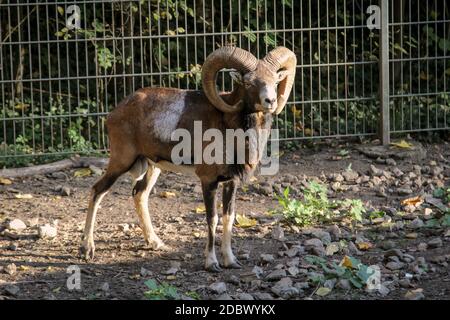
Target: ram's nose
{"x":270,"y":101}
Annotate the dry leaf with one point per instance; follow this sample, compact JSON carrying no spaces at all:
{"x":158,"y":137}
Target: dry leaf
{"x":5,"y":181}
{"x":347,"y":262}
{"x":415,"y":201}
{"x":323,"y":291}
{"x":85,"y":172}
{"x":403,"y":144}
{"x":167,"y":194}
{"x":200,"y":209}
{"x":364,"y":246}
{"x":23,"y":196}
{"x":196,"y":234}
{"x":244,"y":222}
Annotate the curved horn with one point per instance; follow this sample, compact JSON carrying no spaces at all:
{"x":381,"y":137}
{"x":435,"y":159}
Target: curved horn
{"x":225,"y":57}
{"x":282,"y":58}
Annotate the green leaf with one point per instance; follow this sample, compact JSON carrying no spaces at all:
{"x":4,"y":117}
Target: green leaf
{"x":151,"y":284}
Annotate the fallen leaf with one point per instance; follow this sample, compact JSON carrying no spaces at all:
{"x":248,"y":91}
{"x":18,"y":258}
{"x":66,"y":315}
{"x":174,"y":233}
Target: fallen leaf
{"x":200,"y":209}
{"x":23,"y":196}
{"x":196,"y":234}
{"x":414,"y":201}
{"x":364,"y":246}
{"x":24,"y":268}
{"x":350,"y":262}
{"x":244,"y":222}
{"x":403,"y":144}
{"x":80,"y":173}
{"x":323,"y":291}
{"x":167,"y":194}
{"x":5,"y":181}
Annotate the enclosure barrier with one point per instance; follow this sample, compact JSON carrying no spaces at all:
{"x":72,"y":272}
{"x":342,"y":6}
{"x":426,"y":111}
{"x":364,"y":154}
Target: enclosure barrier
{"x":65,"y":64}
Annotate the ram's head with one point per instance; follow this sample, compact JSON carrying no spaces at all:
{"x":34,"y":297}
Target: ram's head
{"x":267,"y":82}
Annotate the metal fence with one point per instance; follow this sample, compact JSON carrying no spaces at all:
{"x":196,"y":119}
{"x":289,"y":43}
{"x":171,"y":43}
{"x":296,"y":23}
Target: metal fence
{"x":57,"y":83}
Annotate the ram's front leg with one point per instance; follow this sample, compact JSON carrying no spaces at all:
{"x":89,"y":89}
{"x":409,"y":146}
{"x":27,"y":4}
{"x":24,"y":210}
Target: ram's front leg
{"x":210,"y":199}
{"x":229,"y":200}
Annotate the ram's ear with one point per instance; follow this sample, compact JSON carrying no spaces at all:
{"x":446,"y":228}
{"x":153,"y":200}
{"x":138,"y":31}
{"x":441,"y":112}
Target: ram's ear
{"x":236,"y":76}
{"x":282,"y":75}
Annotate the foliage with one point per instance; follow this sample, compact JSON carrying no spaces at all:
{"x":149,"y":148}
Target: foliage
{"x":163,"y":291}
{"x":316,"y":207}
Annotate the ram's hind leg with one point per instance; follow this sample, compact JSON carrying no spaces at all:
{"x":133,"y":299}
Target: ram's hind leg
{"x":141,"y":192}
{"x":116,"y":168}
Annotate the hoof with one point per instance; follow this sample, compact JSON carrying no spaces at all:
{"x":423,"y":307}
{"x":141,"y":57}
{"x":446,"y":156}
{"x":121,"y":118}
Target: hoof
{"x":87,"y":252}
{"x":157,"y":244}
{"x":236,"y":264}
{"x":214,"y":267}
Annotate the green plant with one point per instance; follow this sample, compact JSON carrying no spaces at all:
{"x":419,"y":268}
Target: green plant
{"x":163,"y":291}
{"x":316,"y":207}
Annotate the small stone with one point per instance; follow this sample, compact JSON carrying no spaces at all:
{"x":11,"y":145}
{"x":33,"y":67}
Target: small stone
{"x":233,"y":279}
{"x":395,"y":265}
{"x":383,"y":290}
{"x":404,"y":283}
{"x":14,"y":246}
{"x":412,"y":235}
{"x":218,"y":287}
{"x":293,"y":271}
{"x":391,"y":162}
{"x":344,"y":284}
{"x":335,"y":232}
{"x":146,"y":273}
{"x":105,"y":287}
{"x":16,"y":225}
{"x":315,"y":246}
{"x":276,"y":275}
{"x":12,"y":290}
{"x":435,"y":243}
{"x":350,"y":175}
{"x":416,"y":224}
{"x":388,"y":244}
{"x":47,"y":231}
{"x":258,"y":271}
{"x":124,"y":227}
{"x":322,"y":235}
{"x":394,"y":253}
{"x":422,"y":246}
{"x":404,"y":191}
{"x":224,"y":296}
{"x":33,"y":222}
{"x":244,"y":296}
{"x":268,"y":258}
{"x":11,"y":269}
{"x":65,"y":191}
{"x":416,"y":294}
{"x":59,"y":175}
{"x":96,"y":170}
{"x":278,"y":233}
{"x":375,"y":171}
{"x":284,"y":289}
{"x":262,"y":296}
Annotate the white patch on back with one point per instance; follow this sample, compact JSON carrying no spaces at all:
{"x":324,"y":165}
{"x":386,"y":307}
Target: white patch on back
{"x":166,"y":122}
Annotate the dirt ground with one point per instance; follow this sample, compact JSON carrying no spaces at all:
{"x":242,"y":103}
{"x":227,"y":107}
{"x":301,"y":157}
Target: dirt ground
{"x":123,"y":263}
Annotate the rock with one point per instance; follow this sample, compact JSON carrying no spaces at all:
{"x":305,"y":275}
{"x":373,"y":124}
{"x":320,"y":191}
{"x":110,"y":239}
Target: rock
{"x":332,"y":248}
{"x":278,"y":233}
{"x":14,"y":246}
{"x":394,"y":253}
{"x":276,"y":275}
{"x":124,"y":227}
{"x":388,"y":244}
{"x":383,"y":290}
{"x":146,"y":273}
{"x":404,"y":283}
{"x":293,"y":271}
{"x":233,"y":279}
{"x":197,"y":189}
{"x":375,"y":171}
{"x":65,"y":191}
{"x":315,"y":246}
{"x":335,"y":232}
{"x":322,"y":235}
{"x":16,"y":225}
{"x":33,"y":222}
{"x":11,"y":269}
{"x":264,"y":189}
{"x":397,"y":172}
{"x":12,"y":290}
{"x":404,"y":191}
{"x":447,"y":233}
{"x":391,"y":162}
{"x":47,"y":231}
{"x":257,"y":271}
{"x":422,"y":246}
{"x":244,"y":296}
{"x":330,"y":283}
{"x":337,"y":178}
{"x":416,"y":294}
{"x":262,"y":296}
{"x":59,"y":175}
{"x":416,"y":224}
{"x":218,"y":287}
{"x":353,"y":249}
{"x":105,"y":287}
{"x":435,"y":243}
{"x":344,"y":284}
{"x":224,"y":296}
{"x":268,"y":258}
{"x":96,"y":170}
{"x":284,"y":289}
{"x":350,"y":175}
{"x":395,"y":265}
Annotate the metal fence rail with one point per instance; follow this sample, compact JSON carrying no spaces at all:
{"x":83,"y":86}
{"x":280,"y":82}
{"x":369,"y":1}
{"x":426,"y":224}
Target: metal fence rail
{"x":57,"y":84}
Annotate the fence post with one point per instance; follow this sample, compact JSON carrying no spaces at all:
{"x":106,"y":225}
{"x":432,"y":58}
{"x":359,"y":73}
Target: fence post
{"x":384,"y":73}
